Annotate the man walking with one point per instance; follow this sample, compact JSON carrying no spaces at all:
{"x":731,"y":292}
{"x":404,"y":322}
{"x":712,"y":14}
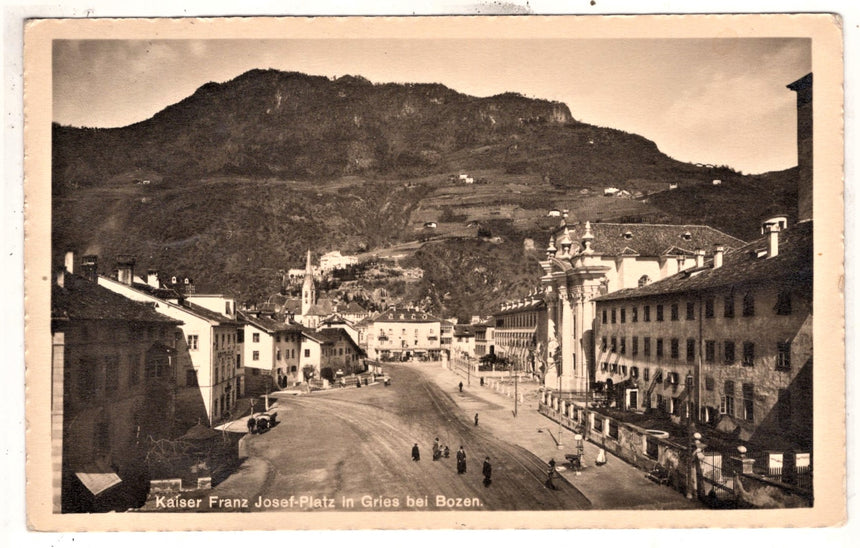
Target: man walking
{"x":416,"y":454}
{"x":461,"y":386}
{"x":550,"y":474}
{"x":436,"y":450}
{"x":461,"y":461}
{"x":476,"y":419}
{"x":488,"y":472}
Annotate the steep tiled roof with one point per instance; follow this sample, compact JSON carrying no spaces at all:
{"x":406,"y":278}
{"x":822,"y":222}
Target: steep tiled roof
{"x":268,"y":323}
{"x":464,"y":331}
{"x":406,"y":315}
{"x":81,"y":299}
{"x":649,"y":240}
{"x":323,"y":307}
{"x":209,"y":315}
{"x":353,"y":308}
{"x":793,"y":264}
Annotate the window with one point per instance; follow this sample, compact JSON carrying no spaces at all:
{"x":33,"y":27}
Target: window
{"x":729,"y":306}
{"x":659,"y":312}
{"x":749,"y":305}
{"x":277,"y":337}
{"x":646,"y":346}
{"x":647,"y":312}
{"x":691,"y":350}
{"x":727,"y":405}
{"x":613,"y":315}
{"x":673,"y":349}
{"x":659,"y":348}
{"x":255,"y":337}
{"x":748,"y":394}
{"x":658,"y":377}
{"x":783,"y":303}
{"x":227,"y":308}
{"x":255,"y":355}
{"x":673,"y":312}
{"x":623,"y":315}
{"x":646,"y":374}
{"x":709,"y":307}
{"x":613,"y":345}
{"x":709,"y":384}
{"x":307,"y":352}
{"x":623,"y":345}
{"x":133,"y":369}
{"x":634,"y":372}
{"x":191,"y":377}
{"x":783,"y":355}
{"x":729,"y":352}
{"x":749,"y":354}
{"x":635,"y":314}
{"x":635,"y":348}
{"x":691,"y":310}
{"x":111,"y":372}
{"x":603,"y":344}
{"x":240,"y":336}
{"x":783,"y":408}
{"x":604,"y":316}
{"x":193,"y":341}
{"x":710,"y":351}
{"x":278,"y":354}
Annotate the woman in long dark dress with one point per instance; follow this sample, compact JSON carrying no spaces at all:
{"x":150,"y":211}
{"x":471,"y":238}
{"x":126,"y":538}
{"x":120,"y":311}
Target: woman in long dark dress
{"x":461,"y":461}
{"x":488,"y":472}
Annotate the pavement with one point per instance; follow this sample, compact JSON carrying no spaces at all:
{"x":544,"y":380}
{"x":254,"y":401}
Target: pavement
{"x":614,"y":485}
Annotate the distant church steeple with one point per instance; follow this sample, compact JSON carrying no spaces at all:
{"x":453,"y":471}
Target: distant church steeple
{"x":309,"y":293}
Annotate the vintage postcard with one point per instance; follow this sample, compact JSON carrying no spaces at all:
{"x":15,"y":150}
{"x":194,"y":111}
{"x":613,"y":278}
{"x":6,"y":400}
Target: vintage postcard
{"x":434,"y":272}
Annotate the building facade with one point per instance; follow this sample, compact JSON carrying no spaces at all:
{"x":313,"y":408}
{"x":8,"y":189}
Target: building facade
{"x":211,"y":356}
{"x":114,"y":385}
{"x":727,"y":344}
{"x":403,"y":334}
{"x":519,"y":332}
{"x":595,"y":259}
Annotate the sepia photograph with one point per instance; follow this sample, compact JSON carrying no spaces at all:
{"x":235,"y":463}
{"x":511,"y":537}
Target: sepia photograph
{"x":410,"y":272}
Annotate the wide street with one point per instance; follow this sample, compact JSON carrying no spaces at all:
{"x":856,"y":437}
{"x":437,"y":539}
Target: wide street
{"x":356,"y":443}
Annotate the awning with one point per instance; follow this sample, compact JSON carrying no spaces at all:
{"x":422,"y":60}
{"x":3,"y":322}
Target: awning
{"x":98,"y":477}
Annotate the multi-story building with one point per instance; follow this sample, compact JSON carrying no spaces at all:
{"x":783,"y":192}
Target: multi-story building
{"x":463,"y":344}
{"x":327,"y":352}
{"x":597,"y":258}
{"x":114,"y":383}
{"x":484,"y":339}
{"x":401,"y":333}
{"x":211,"y":333}
{"x":728,"y":343}
{"x":519,"y":332}
{"x":271,"y":352}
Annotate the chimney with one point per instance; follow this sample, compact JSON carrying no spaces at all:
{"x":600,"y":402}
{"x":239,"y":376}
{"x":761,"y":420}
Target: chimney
{"x":70,"y":262}
{"x":61,"y":276}
{"x":125,"y":269}
{"x":152,"y":278}
{"x":90,"y":267}
{"x":772,"y":240}
{"x":700,"y":258}
{"x":718,"y":255}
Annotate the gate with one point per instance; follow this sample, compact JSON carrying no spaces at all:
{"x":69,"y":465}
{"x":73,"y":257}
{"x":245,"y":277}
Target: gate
{"x":717,"y":481}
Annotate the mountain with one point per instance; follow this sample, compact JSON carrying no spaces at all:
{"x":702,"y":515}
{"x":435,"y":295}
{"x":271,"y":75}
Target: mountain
{"x":232,"y":184}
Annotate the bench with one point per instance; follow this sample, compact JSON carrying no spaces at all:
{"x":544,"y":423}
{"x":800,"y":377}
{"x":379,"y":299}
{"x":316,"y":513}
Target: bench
{"x":658,"y":475}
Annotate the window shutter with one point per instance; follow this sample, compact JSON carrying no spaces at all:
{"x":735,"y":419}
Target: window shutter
{"x":722,"y":405}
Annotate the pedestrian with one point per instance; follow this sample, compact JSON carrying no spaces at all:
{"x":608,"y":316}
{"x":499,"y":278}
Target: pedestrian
{"x":482,"y":381}
{"x":416,"y":454}
{"x":601,"y":458}
{"x":461,"y":386}
{"x":252,"y":424}
{"x":436,"y":450}
{"x":476,"y":419}
{"x":488,"y":472}
{"x":550,"y":474}
{"x":446,"y":453}
{"x":461,"y":461}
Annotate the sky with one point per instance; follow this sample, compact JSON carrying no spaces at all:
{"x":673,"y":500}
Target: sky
{"x":711,"y":101}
